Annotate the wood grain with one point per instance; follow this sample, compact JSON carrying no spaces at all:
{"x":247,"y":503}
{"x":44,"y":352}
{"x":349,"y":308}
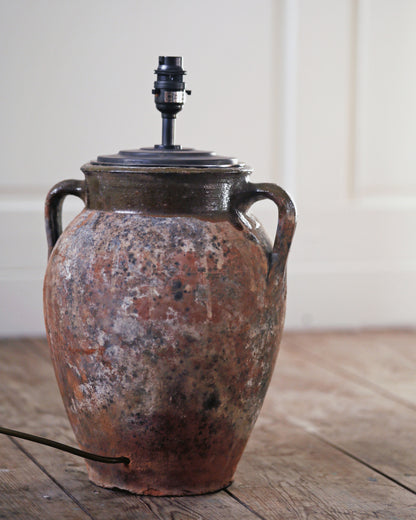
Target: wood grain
{"x":31,"y":402}
{"x":383,"y":360}
{"x":334,"y":435}
{"x":286,"y":473}
{"x":27,"y":493}
{"x":313,"y":393}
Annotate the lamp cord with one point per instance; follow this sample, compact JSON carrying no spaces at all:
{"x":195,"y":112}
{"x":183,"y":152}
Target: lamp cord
{"x":64,"y":447}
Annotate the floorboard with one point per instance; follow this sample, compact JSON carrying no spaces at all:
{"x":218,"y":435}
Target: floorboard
{"x":385,"y":360}
{"x":334,"y":440}
{"x":313,"y":393}
{"x":287,"y":473}
{"x":31,"y":402}
{"x":27,"y":493}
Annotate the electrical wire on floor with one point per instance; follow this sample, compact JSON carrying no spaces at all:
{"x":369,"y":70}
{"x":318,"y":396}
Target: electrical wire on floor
{"x":64,"y":447}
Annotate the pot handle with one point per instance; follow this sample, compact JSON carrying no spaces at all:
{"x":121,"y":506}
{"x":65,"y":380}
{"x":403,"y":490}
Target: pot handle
{"x":53,"y":207}
{"x":286,"y":224}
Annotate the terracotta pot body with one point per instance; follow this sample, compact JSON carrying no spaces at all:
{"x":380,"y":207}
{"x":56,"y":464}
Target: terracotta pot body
{"x":164,"y":307}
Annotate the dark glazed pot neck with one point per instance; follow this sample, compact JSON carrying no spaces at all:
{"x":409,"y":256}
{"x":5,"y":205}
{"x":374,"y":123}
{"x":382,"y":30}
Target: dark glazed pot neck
{"x":163,"y":190}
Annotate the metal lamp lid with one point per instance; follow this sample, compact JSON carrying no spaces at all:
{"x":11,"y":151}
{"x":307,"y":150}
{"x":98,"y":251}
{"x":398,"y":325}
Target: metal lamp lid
{"x":170,"y":95}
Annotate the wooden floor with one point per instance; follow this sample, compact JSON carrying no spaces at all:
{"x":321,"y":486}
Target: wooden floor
{"x":336,"y":439}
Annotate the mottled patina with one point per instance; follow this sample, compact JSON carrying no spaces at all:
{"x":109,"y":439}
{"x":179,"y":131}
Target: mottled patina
{"x":164,"y":307}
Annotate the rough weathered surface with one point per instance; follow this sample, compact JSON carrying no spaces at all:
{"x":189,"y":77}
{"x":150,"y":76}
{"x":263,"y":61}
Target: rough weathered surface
{"x":163,"y":343}
{"x":164,"y":306}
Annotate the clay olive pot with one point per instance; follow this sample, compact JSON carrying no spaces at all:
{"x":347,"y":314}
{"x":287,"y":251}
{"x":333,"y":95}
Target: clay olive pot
{"x":164,"y":305}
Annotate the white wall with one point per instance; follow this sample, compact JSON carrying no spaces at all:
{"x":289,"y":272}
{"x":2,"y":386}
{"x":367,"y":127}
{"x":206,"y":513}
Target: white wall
{"x":284,"y":85}
{"x":354,"y":258}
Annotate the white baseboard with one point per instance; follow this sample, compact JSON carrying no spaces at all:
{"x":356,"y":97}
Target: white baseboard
{"x":351,"y":299}
{"x":337,"y":293}
{"x":315,"y":300}
{"x":21,"y":311}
